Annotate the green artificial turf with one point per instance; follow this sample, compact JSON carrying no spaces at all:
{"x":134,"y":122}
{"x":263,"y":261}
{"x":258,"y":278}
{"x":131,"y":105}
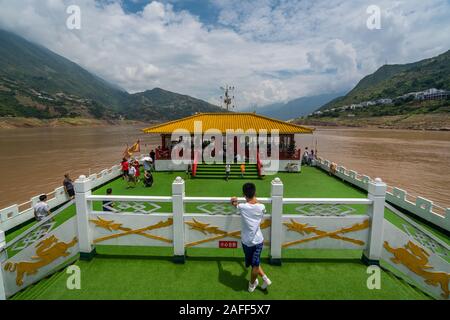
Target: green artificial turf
{"x":149,"y":273}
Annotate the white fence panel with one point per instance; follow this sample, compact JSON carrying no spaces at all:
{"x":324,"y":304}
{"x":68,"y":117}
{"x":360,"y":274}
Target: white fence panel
{"x":302,"y":232}
{"x":127,"y":229}
{"x":37,"y":261}
{"x":427,"y":269}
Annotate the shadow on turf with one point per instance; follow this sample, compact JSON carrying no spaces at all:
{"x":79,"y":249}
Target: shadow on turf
{"x":233,"y":281}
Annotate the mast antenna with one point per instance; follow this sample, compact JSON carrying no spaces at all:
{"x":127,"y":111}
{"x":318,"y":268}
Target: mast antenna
{"x":228,"y":97}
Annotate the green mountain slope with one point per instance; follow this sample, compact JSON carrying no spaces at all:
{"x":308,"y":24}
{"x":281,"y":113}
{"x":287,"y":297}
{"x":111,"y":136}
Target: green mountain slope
{"x":36,"y":82}
{"x":165,"y":105}
{"x":391,"y":81}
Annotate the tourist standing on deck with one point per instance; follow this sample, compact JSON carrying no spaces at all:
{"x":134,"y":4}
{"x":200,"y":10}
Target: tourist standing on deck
{"x":148,"y":164}
{"x":41,"y":209}
{"x":153,"y":155}
{"x":189,"y":171}
{"x":252,"y":213}
{"x":131,"y":177}
{"x":242,"y":170}
{"x":227,"y":171}
{"x":305,"y":158}
{"x":311,"y":157}
{"x":125,"y":168}
{"x":68,"y":187}
{"x":137,"y":166}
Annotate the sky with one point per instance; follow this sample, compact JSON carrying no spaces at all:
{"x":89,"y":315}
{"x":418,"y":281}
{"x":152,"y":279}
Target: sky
{"x":270,"y":50}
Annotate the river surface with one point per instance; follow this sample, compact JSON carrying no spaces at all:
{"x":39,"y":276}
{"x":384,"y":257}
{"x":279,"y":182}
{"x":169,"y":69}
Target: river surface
{"x":33,"y":161}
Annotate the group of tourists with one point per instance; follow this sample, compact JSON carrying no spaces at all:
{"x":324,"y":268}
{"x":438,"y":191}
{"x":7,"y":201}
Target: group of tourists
{"x":308,"y":157}
{"x":131,"y":172}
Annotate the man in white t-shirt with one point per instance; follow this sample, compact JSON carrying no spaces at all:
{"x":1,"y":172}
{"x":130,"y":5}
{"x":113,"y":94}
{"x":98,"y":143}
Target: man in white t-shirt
{"x":41,"y":209}
{"x":131,"y":177}
{"x":252,"y":214}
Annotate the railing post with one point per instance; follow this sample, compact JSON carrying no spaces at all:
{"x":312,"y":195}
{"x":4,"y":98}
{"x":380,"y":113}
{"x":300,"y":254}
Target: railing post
{"x":276,"y":227}
{"x":178,"y":192}
{"x":83,"y":207}
{"x":377,"y":193}
{"x":3,"y":257}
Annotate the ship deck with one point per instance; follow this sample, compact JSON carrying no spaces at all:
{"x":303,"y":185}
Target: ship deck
{"x":149,"y":273}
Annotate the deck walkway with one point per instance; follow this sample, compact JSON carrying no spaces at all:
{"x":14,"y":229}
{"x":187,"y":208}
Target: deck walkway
{"x":148,"y":273}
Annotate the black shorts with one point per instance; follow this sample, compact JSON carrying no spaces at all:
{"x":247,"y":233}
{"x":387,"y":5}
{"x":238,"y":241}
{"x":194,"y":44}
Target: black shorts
{"x":252,"y":255}
{"x":125,"y":173}
{"x":71,"y":193}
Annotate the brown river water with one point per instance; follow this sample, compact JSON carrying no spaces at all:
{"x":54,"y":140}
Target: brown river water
{"x":33,"y":161}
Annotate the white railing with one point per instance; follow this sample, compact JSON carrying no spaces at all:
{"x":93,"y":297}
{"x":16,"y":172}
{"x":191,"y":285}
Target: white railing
{"x":17,"y":214}
{"x":417,"y":205}
{"x":182,"y":230}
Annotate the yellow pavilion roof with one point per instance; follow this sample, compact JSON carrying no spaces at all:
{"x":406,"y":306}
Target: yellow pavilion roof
{"x":226,"y":121}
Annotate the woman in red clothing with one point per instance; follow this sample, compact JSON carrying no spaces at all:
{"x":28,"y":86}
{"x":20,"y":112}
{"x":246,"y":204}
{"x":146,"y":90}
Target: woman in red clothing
{"x":137,"y":166}
{"x":125,"y":168}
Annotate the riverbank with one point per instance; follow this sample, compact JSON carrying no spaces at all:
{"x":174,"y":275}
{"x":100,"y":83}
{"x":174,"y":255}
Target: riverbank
{"x":20,"y":123}
{"x":430,"y":122}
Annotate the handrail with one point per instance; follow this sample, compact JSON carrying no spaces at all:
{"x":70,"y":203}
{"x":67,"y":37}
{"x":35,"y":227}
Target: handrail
{"x":363,"y":201}
{"x":42,"y":222}
{"x":327,"y":201}
{"x":220,"y":199}
{"x":130,"y":198}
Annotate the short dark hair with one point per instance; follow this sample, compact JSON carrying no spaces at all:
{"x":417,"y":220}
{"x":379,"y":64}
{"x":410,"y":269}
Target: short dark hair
{"x":43,"y":197}
{"x":249,"y":190}
{"x":109,"y":191}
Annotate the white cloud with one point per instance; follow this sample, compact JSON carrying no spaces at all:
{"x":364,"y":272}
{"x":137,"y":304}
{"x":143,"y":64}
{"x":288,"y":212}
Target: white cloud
{"x":271,"y":50}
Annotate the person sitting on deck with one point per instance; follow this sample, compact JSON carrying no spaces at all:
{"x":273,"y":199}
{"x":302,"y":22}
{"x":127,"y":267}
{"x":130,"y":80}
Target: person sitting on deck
{"x":41,"y":209}
{"x":108,"y":206}
{"x":148,"y":179}
{"x":333,"y":168}
{"x":242,"y":169}
{"x":252,"y":213}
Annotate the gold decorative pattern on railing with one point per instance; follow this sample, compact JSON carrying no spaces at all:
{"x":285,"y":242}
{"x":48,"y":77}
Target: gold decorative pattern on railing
{"x":415,"y":258}
{"x":206,"y":229}
{"x":48,"y":250}
{"x":111,"y":225}
{"x":304,"y":228}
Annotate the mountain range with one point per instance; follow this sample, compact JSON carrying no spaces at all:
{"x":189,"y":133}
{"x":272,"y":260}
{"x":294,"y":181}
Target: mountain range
{"x":295,"y":108}
{"x":36,"y":82}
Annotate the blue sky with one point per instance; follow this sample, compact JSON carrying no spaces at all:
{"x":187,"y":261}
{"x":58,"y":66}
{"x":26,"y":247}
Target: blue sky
{"x":205,"y":10}
{"x":270,"y":50}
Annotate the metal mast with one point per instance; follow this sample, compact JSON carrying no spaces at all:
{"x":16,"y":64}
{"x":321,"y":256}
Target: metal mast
{"x":228,"y":97}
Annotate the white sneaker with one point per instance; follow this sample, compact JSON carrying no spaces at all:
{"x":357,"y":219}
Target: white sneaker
{"x":252,"y":287}
{"x":266,"y":284}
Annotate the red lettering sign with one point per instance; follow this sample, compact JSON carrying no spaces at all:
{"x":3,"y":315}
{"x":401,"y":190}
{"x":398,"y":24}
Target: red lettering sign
{"x":228,"y":244}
